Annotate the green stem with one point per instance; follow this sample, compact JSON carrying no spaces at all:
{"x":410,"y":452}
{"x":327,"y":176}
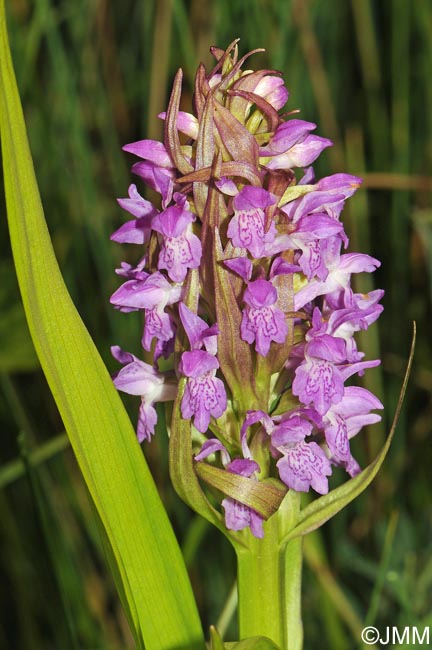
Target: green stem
{"x":292,"y":557}
{"x":269,"y":583}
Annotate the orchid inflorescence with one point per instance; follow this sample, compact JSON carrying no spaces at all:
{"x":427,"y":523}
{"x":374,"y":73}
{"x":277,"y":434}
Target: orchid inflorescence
{"x":245,"y":291}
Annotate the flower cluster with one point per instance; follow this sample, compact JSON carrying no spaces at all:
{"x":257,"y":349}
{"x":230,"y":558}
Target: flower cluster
{"x":245,"y":288}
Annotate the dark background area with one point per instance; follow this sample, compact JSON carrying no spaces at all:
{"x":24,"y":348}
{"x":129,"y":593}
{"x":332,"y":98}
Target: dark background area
{"x":93,"y":75}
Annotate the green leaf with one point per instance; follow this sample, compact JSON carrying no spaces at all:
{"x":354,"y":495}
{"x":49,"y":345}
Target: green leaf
{"x":254,"y":643}
{"x":322,"y":509}
{"x":152,"y":576}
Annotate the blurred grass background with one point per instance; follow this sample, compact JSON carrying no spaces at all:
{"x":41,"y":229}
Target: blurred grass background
{"x":93,"y":74}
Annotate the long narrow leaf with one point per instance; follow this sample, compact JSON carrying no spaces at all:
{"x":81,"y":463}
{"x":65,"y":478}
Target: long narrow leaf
{"x":156,"y":590}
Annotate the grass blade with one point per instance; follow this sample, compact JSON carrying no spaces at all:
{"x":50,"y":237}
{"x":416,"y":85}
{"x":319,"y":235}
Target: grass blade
{"x":157,"y":591}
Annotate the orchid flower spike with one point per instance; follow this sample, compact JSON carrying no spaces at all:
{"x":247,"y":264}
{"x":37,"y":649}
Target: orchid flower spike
{"x":244,"y":285}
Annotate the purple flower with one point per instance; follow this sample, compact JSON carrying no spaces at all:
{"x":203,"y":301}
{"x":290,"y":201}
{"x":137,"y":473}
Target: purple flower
{"x":181,"y":249}
{"x":311,"y":236}
{"x":318,"y":382}
{"x":204,"y":394}
{"x":139,"y":378}
{"x":138,"y":230}
{"x":262,"y":321}
{"x":157,"y":169}
{"x":247,"y":227}
{"x":273,"y":90}
{"x":293,"y":146}
{"x":301,"y":463}
{"x":211,"y":446}
{"x":291,"y":427}
{"x":130,"y":272}
{"x":304,"y":465}
{"x":152,"y":295}
{"x":325,"y":197}
{"x":158,"y":324}
{"x":319,"y":379}
{"x":152,"y":291}
{"x":357,"y":312}
{"x":252,"y":417}
{"x":340,"y":267}
{"x":345,"y":419}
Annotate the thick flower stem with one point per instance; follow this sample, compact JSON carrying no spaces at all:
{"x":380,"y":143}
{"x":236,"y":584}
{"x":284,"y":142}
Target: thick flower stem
{"x":292,"y":557}
{"x":260,"y":578}
{"x":269,"y":583}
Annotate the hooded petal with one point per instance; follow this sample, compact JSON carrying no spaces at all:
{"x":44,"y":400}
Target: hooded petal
{"x":197,"y":330}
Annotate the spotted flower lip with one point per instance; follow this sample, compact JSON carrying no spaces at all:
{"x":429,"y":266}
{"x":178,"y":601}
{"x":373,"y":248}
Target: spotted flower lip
{"x":247,"y":227}
{"x":262,"y":321}
{"x":303,"y":466}
{"x":318,"y":382}
{"x":181,"y":249}
{"x":204,"y":394}
{"x":244,"y":288}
